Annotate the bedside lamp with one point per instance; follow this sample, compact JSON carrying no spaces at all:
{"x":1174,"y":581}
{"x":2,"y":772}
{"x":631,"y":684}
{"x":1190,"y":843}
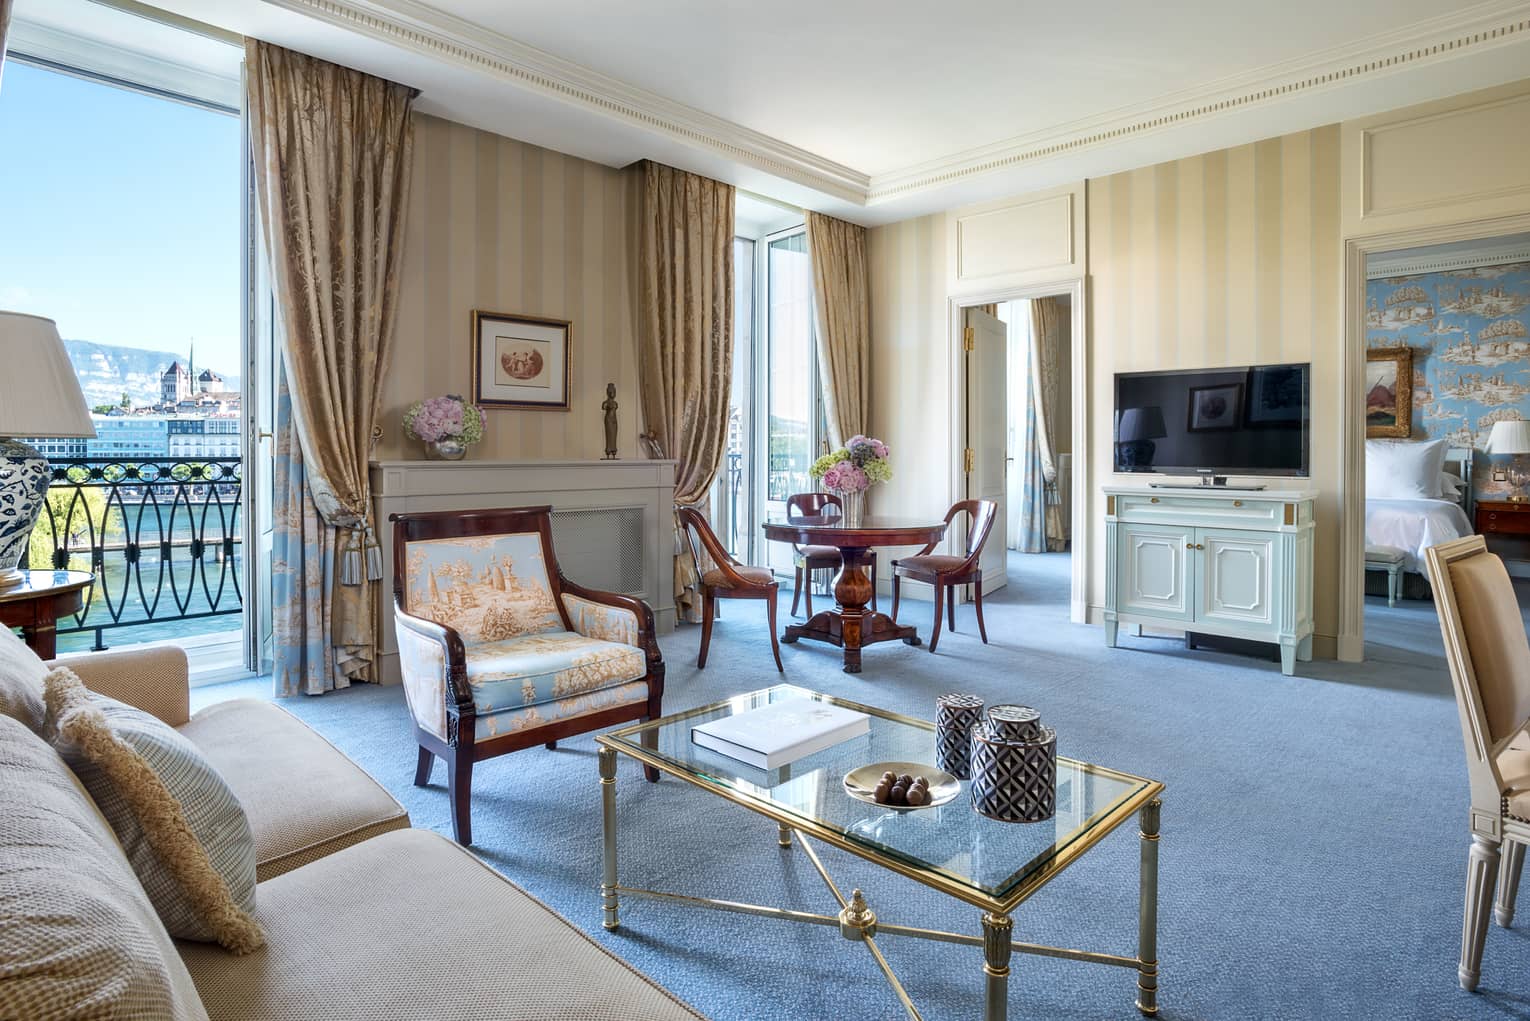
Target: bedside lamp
{"x":39,"y":396}
{"x":1135,"y":434}
{"x":1512,"y":438}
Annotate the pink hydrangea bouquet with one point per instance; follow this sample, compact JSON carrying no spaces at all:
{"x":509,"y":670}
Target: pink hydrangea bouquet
{"x":854,"y":468}
{"x":447,"y":418}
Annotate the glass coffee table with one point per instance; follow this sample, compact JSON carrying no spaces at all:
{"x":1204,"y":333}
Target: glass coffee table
{"x":993,"y":866}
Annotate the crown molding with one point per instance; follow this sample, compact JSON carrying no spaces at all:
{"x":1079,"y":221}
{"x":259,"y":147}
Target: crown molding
{"x":1448,"y":37}
{"x":437,"y":34}
{"x":434,"y":33}
{"x":1406,"y":264}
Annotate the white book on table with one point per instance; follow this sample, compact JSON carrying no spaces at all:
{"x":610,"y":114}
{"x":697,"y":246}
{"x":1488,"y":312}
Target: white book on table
{"x":781,"y":732}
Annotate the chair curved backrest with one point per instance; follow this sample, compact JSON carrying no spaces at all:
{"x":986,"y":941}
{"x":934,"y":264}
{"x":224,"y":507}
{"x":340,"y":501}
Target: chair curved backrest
{"x":1488,"y":654}
{"x":488,"y":575}
{"x":697,"y":528}
{"x":813,"y":505}
{"x":982,"y":513}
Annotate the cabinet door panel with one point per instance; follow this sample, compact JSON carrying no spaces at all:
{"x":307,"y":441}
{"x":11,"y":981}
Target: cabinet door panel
{"x":1155,"y":571}
{"x":1236,"y":577}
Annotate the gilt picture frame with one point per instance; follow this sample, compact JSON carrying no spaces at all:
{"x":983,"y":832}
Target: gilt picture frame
{"x":1389,"y":393}
{"x":521,"y":362}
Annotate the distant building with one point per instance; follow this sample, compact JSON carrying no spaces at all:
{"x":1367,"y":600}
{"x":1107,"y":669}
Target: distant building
{"x":174,"y":384}
{"x":54,"y":448}
{"x":194,"y":439}
{"x":209,"y":381}
{"x":129,"y":436}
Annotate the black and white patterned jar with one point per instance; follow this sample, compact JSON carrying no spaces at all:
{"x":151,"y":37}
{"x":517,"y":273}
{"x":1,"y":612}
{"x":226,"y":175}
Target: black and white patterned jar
{"x":956,"y":716}
{"x":1014,"y":766}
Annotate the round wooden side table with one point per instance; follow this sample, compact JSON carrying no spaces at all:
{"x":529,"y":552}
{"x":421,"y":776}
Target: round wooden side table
{"x":37,"y":603}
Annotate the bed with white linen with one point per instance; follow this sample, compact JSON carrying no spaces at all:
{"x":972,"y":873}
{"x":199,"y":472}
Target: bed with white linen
{"x":1417,"y":495}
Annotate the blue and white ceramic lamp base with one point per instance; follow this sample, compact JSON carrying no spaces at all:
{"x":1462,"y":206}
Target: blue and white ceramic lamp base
{"x":24,"y":480}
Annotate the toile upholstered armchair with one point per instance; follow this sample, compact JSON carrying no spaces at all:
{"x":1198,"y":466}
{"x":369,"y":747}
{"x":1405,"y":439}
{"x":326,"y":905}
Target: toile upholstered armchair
{"x":1489,"y":658}
{"x":499,"y":651}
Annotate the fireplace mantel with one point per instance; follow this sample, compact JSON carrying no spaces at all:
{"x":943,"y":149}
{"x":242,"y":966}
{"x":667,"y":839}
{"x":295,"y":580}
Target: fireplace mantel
{"x":613,"y":525}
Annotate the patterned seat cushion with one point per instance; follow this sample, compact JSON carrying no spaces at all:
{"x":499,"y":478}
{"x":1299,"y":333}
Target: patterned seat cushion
{"x":757,"y":575}
{"x":530,"y":670}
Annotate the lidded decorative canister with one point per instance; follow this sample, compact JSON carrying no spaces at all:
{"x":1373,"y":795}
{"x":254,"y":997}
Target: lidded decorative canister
{"x":1014,"y":766}
{"x":956,"y":715}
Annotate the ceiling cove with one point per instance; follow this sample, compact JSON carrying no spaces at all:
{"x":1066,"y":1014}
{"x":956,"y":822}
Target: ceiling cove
{"x":442,"y":36}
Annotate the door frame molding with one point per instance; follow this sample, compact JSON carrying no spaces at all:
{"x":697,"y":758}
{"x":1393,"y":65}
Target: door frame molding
{"x":1352,"y":404}
{"x":1076,"y":288}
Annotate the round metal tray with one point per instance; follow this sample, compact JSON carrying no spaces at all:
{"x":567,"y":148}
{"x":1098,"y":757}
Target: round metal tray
{"x":861,"y":784}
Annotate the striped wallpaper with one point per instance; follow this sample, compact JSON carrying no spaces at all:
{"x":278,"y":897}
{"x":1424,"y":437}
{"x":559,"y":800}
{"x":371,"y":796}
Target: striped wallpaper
{"x":1228,"y":258}
{"x":505,"y":226}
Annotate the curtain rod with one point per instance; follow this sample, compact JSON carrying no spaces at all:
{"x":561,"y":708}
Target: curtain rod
{"x":185,"y":24}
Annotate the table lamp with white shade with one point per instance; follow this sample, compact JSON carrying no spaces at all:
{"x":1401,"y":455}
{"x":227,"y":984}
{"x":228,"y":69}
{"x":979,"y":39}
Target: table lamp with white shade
{"x":39,"y":396}
{"x":1512,"y":437}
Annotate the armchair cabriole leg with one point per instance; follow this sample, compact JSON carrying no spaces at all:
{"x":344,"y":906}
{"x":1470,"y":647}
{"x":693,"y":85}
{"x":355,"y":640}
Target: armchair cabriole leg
{"x":1510,"y":865}
{"x":423,"y":767}
{"x":1481,"y":874}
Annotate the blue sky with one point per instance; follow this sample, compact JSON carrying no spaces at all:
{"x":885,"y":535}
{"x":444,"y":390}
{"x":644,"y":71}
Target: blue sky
{"x":120,"y":215}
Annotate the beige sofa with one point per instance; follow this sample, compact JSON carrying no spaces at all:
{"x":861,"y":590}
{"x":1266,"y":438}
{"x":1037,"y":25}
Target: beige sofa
{"x":364,"y":917}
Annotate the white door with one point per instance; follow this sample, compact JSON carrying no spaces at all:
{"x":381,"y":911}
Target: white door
{"x":987,"y":342}
{"x":1235,"y":583}
{"x":1155,"y":577}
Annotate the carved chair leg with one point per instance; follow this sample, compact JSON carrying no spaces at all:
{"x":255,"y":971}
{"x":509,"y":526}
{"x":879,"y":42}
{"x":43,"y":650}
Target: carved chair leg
{"x":655,"y":710}
{"x":977,"y":602}
{"x":775,"y":639}
{"x":423,"y":767}
{"x":807,"y":590}
{"x":940,"y":591}
{"x":459,"y":778}
{"x":1481,"y":876}
{"x":796,"y":589}
{"x":897,"y":587}
{"x":1509,"y":868}
{"x":951,"y":609}
{"x":708,"y":608}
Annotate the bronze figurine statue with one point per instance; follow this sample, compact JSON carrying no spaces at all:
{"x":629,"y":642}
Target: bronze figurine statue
{"x":609,"y":407}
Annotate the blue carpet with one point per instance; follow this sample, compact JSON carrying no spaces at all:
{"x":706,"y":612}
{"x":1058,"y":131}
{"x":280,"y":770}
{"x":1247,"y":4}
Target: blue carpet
{"x":1314,"y":828}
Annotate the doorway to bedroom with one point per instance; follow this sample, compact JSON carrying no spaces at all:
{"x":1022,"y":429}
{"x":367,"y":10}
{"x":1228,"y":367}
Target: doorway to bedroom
{"x":1447,"y":422}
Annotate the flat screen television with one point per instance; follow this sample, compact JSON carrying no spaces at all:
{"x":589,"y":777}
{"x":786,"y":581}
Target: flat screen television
{"x":1246,"y":420}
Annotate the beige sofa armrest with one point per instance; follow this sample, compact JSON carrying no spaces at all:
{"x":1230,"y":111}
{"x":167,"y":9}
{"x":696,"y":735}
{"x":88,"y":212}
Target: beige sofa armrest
{"x":156,"y":680}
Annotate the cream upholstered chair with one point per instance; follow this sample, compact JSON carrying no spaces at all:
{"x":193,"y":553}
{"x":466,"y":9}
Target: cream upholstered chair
{"x":1489,"y":659}
{"x":499,"y":651}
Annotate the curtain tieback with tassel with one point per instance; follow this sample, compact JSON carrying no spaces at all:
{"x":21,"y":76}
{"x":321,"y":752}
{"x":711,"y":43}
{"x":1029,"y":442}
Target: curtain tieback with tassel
{"x":362,"y":546}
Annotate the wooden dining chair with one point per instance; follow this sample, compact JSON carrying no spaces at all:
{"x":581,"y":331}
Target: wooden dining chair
{"x":807,"y":559}
{"x":728,"y":580}
{"x":1489,"y":659}
{"x":945,"y":572}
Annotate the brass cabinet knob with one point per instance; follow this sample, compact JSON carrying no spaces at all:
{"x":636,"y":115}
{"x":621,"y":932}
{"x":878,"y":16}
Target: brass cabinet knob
{"x":1189,"y":545}
{"x":1152,"y":499}
{"x":1237,"y":503}
{"x":1199,"y":546}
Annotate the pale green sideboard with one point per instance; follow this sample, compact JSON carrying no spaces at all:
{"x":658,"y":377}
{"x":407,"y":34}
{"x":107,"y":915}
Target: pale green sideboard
{"x":1219,"y":562}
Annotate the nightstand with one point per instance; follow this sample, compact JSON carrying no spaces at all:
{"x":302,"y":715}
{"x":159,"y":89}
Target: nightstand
{"x":1501,"y":517}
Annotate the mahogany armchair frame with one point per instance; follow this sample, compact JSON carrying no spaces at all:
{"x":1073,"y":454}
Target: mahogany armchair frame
{"x":982,"y":513}
{"x":739,"y":585}
{"x":462,"y":747}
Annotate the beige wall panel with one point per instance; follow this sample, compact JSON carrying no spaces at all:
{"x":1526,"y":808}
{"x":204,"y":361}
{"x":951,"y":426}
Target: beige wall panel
{"x":1243,"y":244}
{"x":1450,"y":161}
{"x":505,"y":226}
{"x":1025,"y":237}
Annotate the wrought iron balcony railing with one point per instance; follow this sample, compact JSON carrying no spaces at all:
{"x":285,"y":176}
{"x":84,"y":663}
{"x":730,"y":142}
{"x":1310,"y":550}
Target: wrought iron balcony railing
{"x":162,"y":536}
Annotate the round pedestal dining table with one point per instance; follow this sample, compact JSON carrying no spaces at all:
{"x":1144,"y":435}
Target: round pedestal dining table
{"x":851,"y":625}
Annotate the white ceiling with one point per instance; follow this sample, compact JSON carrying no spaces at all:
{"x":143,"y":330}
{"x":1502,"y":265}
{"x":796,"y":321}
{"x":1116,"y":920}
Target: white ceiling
{"x":879,"y":111}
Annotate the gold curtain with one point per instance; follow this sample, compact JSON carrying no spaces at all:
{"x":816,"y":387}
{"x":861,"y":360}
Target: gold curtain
{"x":331,"y":152}
{"x":842,"y":301}
{"x":5,"y":24}
{"x":1049,"y":332}
{"x":685,"y":335}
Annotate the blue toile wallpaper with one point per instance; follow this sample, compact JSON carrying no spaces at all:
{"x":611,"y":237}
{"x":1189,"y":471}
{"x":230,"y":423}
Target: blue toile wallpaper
{"x":1470,"y":335}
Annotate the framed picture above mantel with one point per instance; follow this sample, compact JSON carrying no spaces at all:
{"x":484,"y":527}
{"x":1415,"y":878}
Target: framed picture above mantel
{"x":521,"y":361}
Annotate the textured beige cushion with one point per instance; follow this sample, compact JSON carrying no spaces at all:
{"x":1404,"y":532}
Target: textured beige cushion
{"x":154,"y":679}
{"x":1495,"y":640}
{"x":409,"y":925}
{"x":78,"y":937}
{"x":304,"y":799}
{"x":183,"y":830}
{"x":21,"y":681}
{"x":757,"y":575}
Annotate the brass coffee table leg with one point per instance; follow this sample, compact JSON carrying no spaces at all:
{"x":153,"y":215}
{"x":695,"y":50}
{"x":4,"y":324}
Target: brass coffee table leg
{"x":783,"y":834}
{"x":996,"y":951}
{"x":1147,"y":911}
{"x":607,"y":758}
